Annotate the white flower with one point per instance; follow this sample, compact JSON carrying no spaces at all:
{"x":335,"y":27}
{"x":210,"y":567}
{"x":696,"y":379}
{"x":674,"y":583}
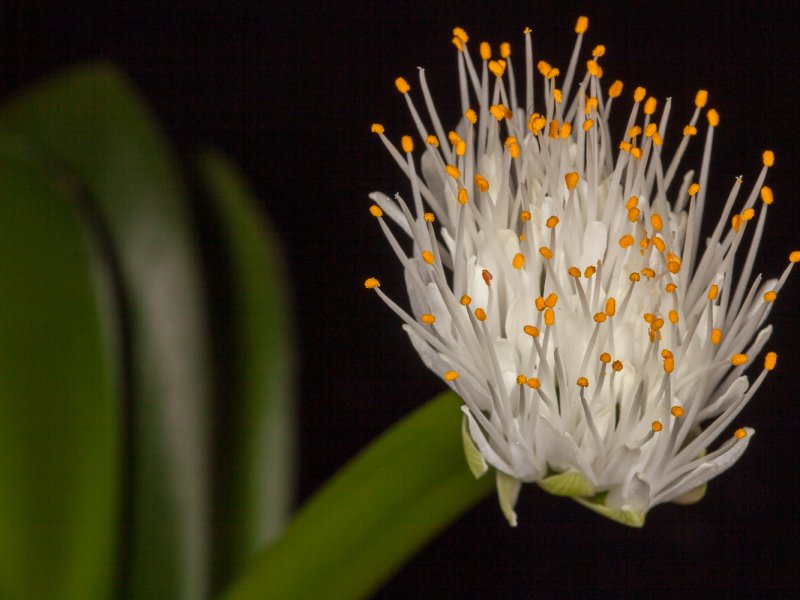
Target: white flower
{"x":559,"y":285}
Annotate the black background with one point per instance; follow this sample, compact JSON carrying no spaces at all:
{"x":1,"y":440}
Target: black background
{"x":290,"y":94}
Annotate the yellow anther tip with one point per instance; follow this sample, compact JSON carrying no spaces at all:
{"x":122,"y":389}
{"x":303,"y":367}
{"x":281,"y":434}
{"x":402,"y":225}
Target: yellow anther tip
{"x":481,"y":182}
{"x":676,"y":411}
{"x":639,"y":94}
{"x":770,"y":296}
{"x":605,"y":358}
{"x":377,"y":128}
{"x":770,"y":360}
{"x":701,"y":98}
{"x":485,"y":50}
{"x":713,"y":117}
{"x":583,"y":382}
{"x":794,"y":256}
{"x":375,"y":211}
{"x":740,"y":434}
{"x":531,"y":330}
{"x":766,"y":195}
{"x":693,"y":189}
{"x":626,"y":240}
{"x":450,"y":376}
{"x":518,"y":261}
{"x":428,"y":319}
{"x":571,"y":179}
{"x":407,"y":143}
{"x":650,"y":106}
{"x":768,"y":158}
{"x":533,"y":383}
{"x":738,"y":359}
{"x":480,"y":314}
{"x":582,"y":25}
{"x":656,"y":426}
{"x":521,"y":379}
{"x":459,"y":33}
{"x":615,"y":90}
{"x":372,"y":283}
{"x":465,"y":300}
{"x":427,"y":256}
{"x":505,"y":50}
{"x":402,"y":85}
{"x":669,"y":364}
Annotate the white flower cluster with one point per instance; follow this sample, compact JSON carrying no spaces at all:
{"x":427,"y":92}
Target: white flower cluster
{"x":559,"y":285}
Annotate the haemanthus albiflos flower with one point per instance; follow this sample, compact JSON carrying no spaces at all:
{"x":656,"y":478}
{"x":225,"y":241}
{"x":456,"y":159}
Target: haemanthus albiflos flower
{"x":559,"y":285}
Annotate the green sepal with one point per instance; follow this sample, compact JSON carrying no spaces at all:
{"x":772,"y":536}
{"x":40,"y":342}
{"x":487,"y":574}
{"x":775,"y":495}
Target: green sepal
{"x":507,"y":494}
{"x":568,"y":483}
{"x":692,"y":496}
{"x":477,"y":465}
{"x":631,"y":518}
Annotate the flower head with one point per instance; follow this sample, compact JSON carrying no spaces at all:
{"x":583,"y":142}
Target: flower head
{"x":559,"y":285}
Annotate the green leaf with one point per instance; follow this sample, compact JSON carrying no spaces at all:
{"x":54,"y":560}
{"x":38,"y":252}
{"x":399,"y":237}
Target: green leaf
{"x":373,"y":514}
{"x":92,"y":122}
{"x":59,"y":395}
{"x":255,"y":435}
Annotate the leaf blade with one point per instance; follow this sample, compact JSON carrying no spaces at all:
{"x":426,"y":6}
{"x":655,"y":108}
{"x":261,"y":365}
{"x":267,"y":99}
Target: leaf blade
{"x":59,"y":396}
{"x":373,"y":514}
{"x":255,"y":437}
{"x":91,"y":121}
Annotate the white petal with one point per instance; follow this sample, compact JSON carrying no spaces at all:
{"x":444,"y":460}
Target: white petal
{"x":705,"y":471}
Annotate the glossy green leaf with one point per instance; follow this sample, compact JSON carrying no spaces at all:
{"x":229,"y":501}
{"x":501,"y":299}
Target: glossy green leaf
{"x":254,"y":416}
{"x":380,"y":508}
{"x":59,"y":395}
{"x":92,"y":122}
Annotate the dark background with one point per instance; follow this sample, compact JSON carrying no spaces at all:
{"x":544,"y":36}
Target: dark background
{"x":290,"y":94}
